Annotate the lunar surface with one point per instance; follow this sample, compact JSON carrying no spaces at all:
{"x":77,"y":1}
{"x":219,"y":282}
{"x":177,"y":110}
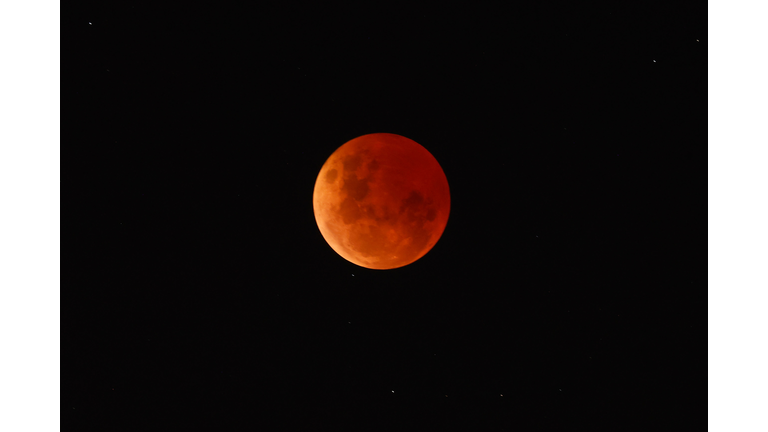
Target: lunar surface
{"x":381,"y":201}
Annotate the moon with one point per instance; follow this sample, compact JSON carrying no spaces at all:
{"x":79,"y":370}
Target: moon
{"x":381,"y":201}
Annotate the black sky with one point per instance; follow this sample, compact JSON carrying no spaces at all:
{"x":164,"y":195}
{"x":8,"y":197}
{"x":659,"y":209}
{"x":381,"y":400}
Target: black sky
{"x":202,"y":291}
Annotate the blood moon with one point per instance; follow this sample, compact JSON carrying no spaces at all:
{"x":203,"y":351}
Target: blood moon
{"x":381,"y":201}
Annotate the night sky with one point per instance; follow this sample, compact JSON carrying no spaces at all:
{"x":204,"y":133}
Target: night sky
{"x":562,"y":292}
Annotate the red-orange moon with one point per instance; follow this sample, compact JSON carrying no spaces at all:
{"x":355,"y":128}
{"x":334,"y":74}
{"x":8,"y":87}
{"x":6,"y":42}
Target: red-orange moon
{"x":381,"y":201}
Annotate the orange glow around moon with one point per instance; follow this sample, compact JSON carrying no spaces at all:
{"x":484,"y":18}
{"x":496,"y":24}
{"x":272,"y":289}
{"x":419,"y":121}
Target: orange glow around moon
{"x":381,"y":201}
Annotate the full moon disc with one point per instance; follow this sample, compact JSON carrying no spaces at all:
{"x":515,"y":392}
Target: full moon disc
{"x":381,"y":201}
